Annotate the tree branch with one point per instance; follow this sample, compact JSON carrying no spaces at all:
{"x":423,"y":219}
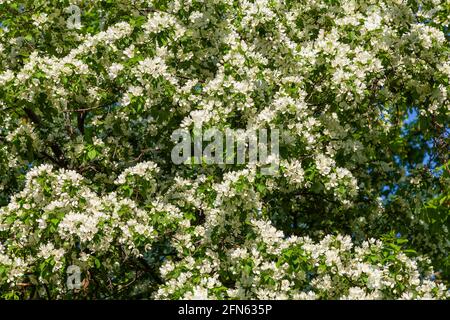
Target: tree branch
{"x":60,"y":159}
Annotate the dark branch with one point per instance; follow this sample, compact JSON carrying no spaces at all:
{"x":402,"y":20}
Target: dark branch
{"x":60,"y":159}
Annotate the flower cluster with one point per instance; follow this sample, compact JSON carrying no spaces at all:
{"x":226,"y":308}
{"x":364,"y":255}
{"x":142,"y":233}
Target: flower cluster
{"x":271,"y":266}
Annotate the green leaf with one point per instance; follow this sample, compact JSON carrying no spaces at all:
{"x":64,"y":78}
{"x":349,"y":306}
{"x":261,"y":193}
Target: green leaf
{"x":92,"y":154}
{"x":97,"y":263}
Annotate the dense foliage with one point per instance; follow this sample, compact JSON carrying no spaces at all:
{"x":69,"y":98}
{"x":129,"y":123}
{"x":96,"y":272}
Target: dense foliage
{"x":357,"y":210}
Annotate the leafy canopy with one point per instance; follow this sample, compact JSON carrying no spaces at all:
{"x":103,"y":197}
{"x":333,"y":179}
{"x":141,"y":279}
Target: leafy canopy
{"x":358,"y":209}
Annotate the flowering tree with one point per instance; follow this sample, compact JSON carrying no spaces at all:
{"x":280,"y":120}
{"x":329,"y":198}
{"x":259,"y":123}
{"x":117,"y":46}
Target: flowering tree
{"x":92,"y":91}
